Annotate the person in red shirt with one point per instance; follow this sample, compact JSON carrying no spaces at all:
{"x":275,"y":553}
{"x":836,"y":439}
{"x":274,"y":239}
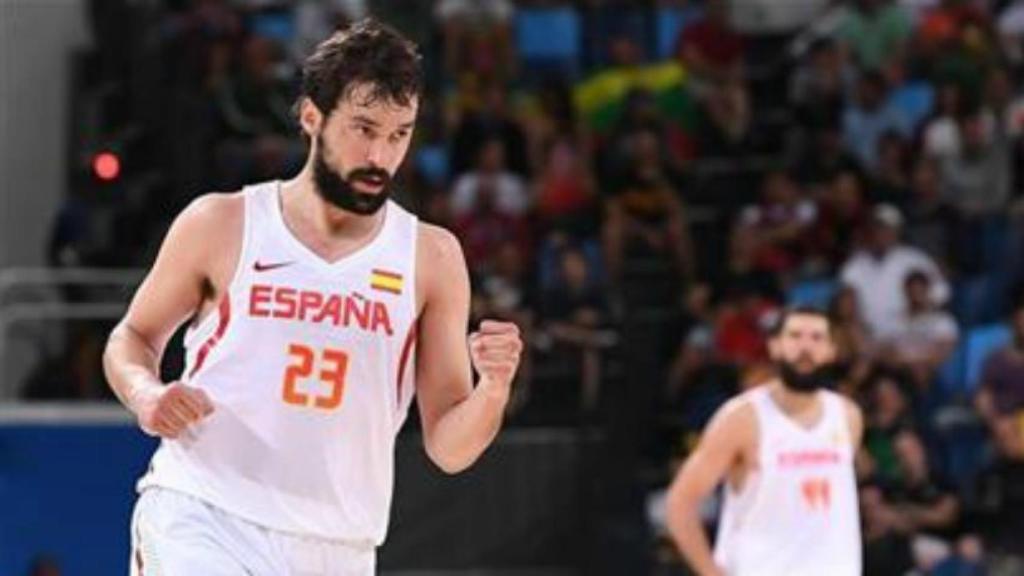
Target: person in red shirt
{"x":711,"y":49}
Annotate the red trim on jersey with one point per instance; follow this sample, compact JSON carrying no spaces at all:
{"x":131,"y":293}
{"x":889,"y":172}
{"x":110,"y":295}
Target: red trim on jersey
{"x":384,"y":288}
{"x":403,"y":359}
{"x":386,"y":274}
{"x":225,"y":317}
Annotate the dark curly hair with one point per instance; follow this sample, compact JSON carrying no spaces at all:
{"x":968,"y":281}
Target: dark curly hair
{"x":367,"y":52}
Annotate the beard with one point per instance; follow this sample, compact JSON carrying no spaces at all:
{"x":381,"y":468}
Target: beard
{"x":804,"y":382}
{"x":338,"y":190}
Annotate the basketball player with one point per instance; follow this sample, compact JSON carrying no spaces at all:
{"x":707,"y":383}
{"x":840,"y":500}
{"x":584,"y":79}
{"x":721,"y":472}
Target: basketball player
{"x":785,"y":451}
{"x":318,"y":307}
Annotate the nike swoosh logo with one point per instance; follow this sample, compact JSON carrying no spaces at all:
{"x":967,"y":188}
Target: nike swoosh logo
{"x":260,"y":267}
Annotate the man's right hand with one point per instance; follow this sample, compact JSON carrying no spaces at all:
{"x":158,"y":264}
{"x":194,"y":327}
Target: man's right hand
{"x":166,"y":411}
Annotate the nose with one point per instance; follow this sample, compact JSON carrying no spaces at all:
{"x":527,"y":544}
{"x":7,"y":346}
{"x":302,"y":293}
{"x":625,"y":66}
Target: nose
{"x":376,"y":153}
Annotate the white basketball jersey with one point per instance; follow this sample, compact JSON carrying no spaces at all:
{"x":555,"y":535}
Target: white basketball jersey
{"x":310,"y":367}
{"x":796,"y":513}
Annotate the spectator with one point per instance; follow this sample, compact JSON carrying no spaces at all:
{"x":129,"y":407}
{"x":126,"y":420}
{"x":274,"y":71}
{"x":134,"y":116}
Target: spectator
{"x":1011,"y":33}
{"x":925,"y":336}
{"x":818,"y":86}
{"x":909,"y":521}
{"x":875,"y":33}
{"x":645,"y":215}
{"x":575,"y":315}
{"x":482,"y":121}
{"x":509,"y":190}
{"x":711,"y":49}
{"x":891,"y":182}
{"x":699,"y":382}
{"x":939,"y":136}
{"x":565,"y":191}
{"x":824,"y":157}
{"x":976,"y":179}
{"x":254,"y":115}
{"x":842,"y":214}
{"x":877,"y":273}
{"x":1000,"y":399}
{"x":477,"y":38}
{"x":505,"y":292}
{"x":931,"y":223}
{"x":780,"y":223}
{"x":912,"y":96}
{"x":853,"y":344}
{"x":749,"y":298}
{"x":484,"y":228}
{"x":871,"y":116}
{"x":727,"y":120}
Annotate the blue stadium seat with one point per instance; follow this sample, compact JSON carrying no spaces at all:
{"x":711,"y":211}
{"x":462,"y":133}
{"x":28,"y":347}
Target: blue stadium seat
{"x":981,"y":342}
{"x":432,"y":162}
{"x":950,"y":378}
{"x":817,"y":293}
{"x":670,"y":22}
{"x":549,"y":38}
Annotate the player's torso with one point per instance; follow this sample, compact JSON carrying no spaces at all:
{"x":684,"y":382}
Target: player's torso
{"x":797,"y":507}
{"x":309,"y":364}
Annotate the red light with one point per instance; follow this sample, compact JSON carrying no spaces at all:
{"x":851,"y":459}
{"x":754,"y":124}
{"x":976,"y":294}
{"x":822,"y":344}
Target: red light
{"x":107,"y":166}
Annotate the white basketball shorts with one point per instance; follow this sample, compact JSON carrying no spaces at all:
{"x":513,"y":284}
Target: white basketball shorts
{"x":174,"y":534}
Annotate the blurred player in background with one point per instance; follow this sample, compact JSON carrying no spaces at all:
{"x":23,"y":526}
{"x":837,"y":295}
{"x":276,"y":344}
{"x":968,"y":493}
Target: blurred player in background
{"x":785,"y":451}
{"x":318,"y":307}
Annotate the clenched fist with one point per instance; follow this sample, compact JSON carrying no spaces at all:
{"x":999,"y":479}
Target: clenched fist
{"x":166,"y":411}
{"x":495,"y":350}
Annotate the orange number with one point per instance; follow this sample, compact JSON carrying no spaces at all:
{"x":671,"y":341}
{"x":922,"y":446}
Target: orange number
{"x":334,"y":365}
{"x":817,"y":493}
{"x":335,"y":376}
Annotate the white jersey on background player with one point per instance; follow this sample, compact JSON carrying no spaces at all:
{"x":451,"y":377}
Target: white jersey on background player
{"x":319,"y":309}
{"x":785,"y":452}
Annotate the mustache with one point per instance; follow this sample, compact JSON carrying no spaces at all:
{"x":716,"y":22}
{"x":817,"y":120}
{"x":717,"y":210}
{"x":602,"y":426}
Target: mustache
{"x":369,"y":174}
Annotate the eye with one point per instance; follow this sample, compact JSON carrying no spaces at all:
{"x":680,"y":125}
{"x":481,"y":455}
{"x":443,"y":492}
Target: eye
{"x":365,"y":130}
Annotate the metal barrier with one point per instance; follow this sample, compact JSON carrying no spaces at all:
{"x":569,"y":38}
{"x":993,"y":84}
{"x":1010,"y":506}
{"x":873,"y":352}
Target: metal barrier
{"x":30,"y":295}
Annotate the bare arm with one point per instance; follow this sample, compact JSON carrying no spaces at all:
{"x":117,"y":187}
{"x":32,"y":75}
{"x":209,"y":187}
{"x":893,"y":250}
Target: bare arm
{"x":171,"y":293}
{"x":719,"y":448}
{"x":855,"y":419}
{"x":459,"y":421}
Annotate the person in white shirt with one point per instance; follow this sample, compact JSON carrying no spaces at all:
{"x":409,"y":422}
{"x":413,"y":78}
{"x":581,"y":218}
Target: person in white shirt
{"x":926,"y":335}
{"x":878,"y":271}
{"x":784,"y":451}
{"x":510,"y":194}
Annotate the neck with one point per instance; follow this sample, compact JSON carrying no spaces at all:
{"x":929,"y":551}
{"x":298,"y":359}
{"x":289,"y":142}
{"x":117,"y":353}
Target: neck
{"x":792,"y":402}
{"x":299,"y":199}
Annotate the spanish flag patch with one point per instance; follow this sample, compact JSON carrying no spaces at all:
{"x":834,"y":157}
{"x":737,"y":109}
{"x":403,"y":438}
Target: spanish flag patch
{"x":386,"y":281}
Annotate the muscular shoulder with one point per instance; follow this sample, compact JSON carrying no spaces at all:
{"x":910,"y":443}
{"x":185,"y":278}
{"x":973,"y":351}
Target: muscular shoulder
{"x":213,"y":214}
{"x":438,"y":245}
{"x":205,"y":238}
{"x":735,"y":421}
{"x":854,"y":418}
{"x":439,"y":261}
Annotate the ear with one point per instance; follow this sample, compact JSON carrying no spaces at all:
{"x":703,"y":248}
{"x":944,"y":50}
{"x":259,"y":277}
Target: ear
{"x":774,"y":350}
{"x":310,"y":118}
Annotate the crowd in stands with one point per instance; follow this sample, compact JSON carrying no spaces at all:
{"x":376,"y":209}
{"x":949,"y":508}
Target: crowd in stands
{"x":642,"y":186}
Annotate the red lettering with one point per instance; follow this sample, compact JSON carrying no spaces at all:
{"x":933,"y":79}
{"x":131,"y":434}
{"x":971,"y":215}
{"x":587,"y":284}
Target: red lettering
{"x":352,"y":310}
{"x":285,"y":300}
{"x":331,"y":310}
{"x":309,"y":301}
{"x":808,"y":458}
{"x":380,"y":318}
{"x":361,"y":311}
{"x":259,"y":295}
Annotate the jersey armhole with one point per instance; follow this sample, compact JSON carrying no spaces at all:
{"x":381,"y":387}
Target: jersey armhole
{"x":201,"y":330}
